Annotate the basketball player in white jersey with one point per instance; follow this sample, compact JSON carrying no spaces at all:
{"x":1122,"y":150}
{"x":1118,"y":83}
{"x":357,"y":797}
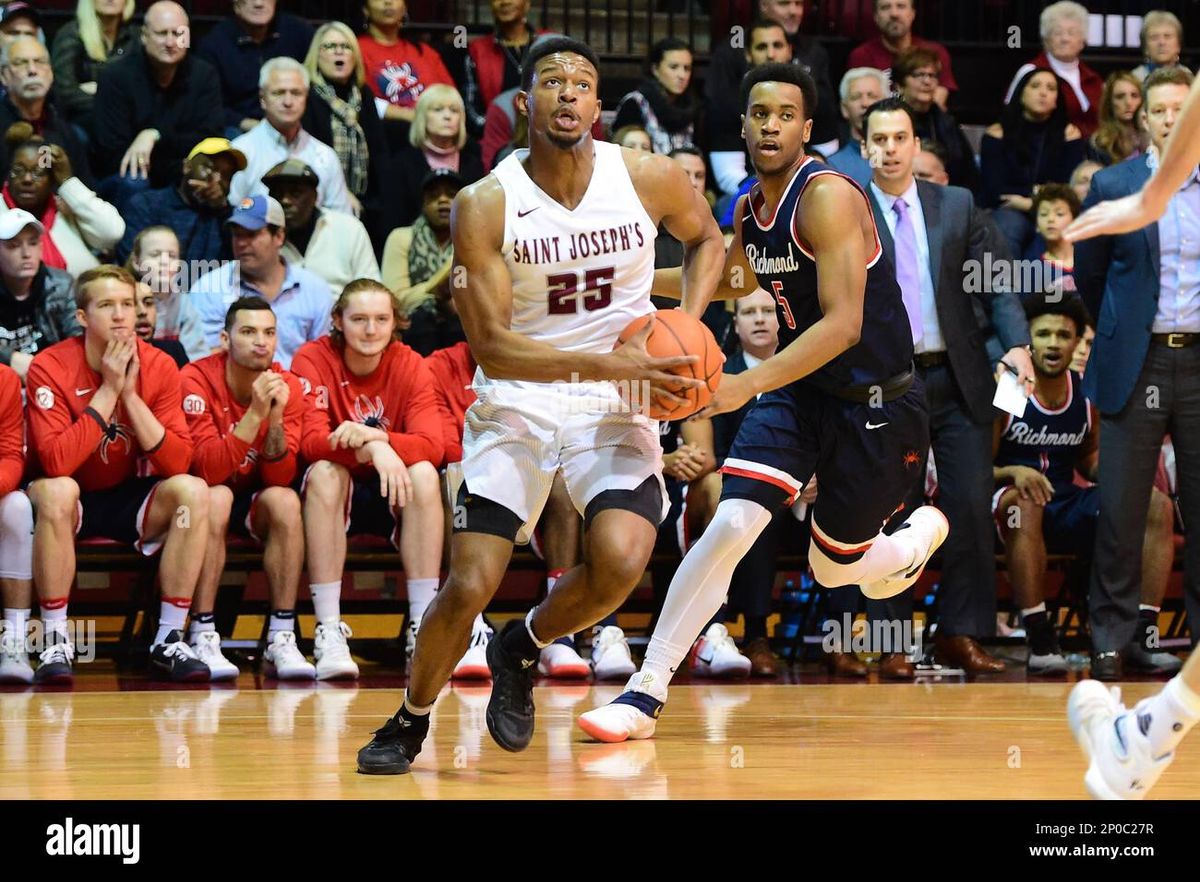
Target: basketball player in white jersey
{"x":556,"y":249}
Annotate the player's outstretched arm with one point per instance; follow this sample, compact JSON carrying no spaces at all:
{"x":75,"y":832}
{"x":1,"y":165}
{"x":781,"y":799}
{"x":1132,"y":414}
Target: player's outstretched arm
{"x":737,"y":278}
{"x":482,"y":291}
{"x":672,"y":201}
{"x":1148,"y":204}
{"x":830,"y":218}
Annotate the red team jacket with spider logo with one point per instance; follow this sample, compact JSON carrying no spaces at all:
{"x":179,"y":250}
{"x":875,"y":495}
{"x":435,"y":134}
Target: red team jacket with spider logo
{"x":398,"y":397}
{"x":220,"y":457}
{"x":453,"y":369}
{"x":67,"y":442}
{"x":12,"y":431}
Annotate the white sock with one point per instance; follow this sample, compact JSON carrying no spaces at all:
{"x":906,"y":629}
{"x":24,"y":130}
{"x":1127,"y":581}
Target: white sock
{"x":327,"y":601}
{"x":54,"y":620}
{"x":201,"y":623}
{"x":171,"y":617}
{"x":420,"y":595}
{"x":1167,"y":717}
{"x":478,"y":625}
{"x":414,"y":709}
{"x":1040,"y":608}
{"x":699,"y":587}
{"x":18,"y":621}
{"x":540,"y":644}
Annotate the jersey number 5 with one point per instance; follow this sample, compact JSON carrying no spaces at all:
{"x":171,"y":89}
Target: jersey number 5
{"x":565,"y":295}
{"x":783,"y":304}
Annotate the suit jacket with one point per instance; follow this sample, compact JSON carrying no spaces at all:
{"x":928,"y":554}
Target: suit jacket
{"x":726,"y":425}
{"x":960,"y":232}
{"x":1118,"y":278}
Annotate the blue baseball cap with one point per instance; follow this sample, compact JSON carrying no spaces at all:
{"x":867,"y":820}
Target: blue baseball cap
{"x":256,"y":212}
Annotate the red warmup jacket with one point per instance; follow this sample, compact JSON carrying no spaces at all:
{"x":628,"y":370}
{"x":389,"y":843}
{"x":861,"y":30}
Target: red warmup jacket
{"x":12,"y":431}
{"x":489,"y":60}
{"x":453,"y":370}
{"x":68,"y":439}
{"x":220,"y":457}
{"x":397,"y":397}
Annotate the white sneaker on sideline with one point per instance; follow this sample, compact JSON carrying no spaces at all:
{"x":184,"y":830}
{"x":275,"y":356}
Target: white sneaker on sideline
{"x":716,"y":655}
{"x":562,"y":662}
{"x":1120,"y":762}
{"x":14,"y":660}
{"x":611,"y":659}
{"x":473,"y":665}
{"x":284,"y":661}
{"x":331,"y":652}
{"x":207,"y":646}
{"x":924,"y":531}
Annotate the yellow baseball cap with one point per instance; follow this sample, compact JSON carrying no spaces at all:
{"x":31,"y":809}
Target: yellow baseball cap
{"x":217,"y":146}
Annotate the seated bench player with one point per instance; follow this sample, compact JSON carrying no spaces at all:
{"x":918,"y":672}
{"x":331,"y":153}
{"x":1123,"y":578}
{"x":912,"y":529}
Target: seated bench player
{"x":111,"y":449}
{"x":246,"y":415}
{"x":16,"y":534}
{"x":1038,"y":506}
{"x":375,"y":445}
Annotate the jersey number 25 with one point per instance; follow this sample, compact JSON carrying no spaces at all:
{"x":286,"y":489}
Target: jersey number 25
{"x":565,"y":295}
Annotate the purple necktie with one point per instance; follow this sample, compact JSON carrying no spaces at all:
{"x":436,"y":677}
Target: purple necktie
{"x":907,"y":273}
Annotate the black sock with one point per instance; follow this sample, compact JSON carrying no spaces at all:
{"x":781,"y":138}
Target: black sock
{"x":1147,"y":629}
{"x":756,"y":626}
{"x":418,"y":721}
{"x":517,"y":642}
{"x":1040,"y":633}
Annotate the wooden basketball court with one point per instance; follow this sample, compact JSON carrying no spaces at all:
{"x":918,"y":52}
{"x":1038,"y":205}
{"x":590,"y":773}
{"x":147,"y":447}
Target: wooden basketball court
{"x":954,"y":740}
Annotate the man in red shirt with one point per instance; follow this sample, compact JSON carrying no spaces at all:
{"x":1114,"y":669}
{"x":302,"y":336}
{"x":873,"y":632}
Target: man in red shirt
{"x":112,"y":451}
{"x":374,"y":451}
{"x":894,"y":18}
{"x":16,"y":534}
{"x":246,"y":416}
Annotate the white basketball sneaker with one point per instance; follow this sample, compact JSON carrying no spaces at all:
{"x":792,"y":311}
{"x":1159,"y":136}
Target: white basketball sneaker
{"x":14,"y":660}
{"x":716,"y":655}
{"x":611,"y":659}
{"x":207,"y":646}
{"x":331,"y":652}
{"x":924,"y":531}
{"x":473,"y":665}
{"x":284,"y":661}
{"x":632,"y":715}
{"x":1120,"y":762}
{"x":561,"y":662}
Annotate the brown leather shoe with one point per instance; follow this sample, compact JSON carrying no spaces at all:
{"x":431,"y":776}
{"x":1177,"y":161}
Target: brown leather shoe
{"x":894,"y":666}
{"x":762,"y":661}
{"x":966,"y":653}
{"x":844,"y":664}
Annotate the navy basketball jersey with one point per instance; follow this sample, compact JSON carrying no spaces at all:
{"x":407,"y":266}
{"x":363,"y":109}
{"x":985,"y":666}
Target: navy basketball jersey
{"x":1048,"y":440}
{"x":787,"y":270}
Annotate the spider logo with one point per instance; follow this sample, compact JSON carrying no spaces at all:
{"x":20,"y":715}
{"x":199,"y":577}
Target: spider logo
{"x":114,"y":432}
{"x":912,"y":458}
{"x":398,"y":80}
{"x":370,"y":412}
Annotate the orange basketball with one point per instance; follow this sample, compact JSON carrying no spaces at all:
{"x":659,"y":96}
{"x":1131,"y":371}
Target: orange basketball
{"x":677,"y":333}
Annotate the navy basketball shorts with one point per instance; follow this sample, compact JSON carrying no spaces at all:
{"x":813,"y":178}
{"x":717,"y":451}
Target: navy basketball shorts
{"x":241,"y":514}
{"x":1069,"y":519}
{"x":119,"y":513}
{"x":866,"y":460}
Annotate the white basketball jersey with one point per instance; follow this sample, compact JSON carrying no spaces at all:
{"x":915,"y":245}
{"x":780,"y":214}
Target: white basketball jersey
{"x":578,"y":277}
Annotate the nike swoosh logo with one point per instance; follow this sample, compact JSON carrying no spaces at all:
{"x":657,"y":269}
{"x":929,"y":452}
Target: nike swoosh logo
{"x":876,"y":425}
{"x":529,"y":211}
{"x":82,"y":392}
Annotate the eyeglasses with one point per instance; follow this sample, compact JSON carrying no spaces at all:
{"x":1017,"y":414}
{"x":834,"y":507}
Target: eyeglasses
{"x":926,"y":75}
{"x":16,"y":172}
{"x":337,"y":47}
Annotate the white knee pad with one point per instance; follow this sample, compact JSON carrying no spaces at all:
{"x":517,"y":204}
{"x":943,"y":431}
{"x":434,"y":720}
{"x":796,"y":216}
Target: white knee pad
{"x":16,"y":536}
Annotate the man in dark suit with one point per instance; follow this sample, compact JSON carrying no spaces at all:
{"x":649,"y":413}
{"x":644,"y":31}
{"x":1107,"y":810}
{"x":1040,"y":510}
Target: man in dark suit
{"x":935,"y":236}
{"x":1145,"y":289}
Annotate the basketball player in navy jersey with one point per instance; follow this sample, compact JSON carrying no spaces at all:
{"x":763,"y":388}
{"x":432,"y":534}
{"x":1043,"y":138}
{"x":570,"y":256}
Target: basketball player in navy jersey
{"x":840,"y":399}
{"x":556,"y":248}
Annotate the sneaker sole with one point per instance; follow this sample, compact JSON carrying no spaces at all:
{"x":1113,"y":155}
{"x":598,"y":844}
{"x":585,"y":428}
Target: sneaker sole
{"x":16,"y":679}
{"x":1093,"y":780}
{"x":566,"y":672}
{"x":221,"y":676}
{"x":472,"y":672}
{"x":390,"y":769}
{"x":273,"y":673}
{"x":599,"y":733}
{"x":344,"y":674}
